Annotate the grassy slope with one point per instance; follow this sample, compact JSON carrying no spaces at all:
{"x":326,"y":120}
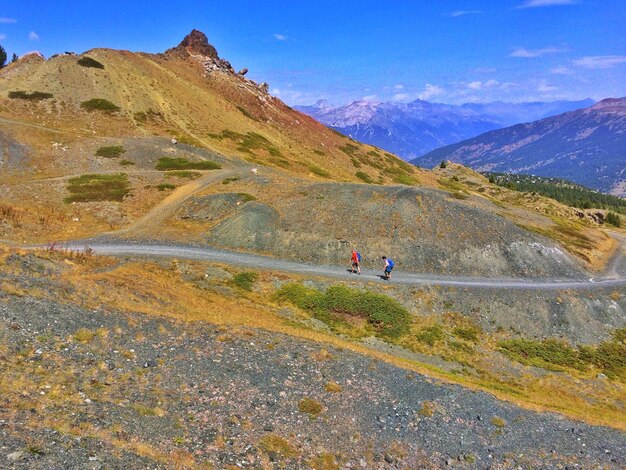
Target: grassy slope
{"x":187,"y":105}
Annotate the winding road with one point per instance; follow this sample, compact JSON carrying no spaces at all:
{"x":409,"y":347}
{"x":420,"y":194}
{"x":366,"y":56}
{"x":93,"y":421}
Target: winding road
{"x":274,"y":264}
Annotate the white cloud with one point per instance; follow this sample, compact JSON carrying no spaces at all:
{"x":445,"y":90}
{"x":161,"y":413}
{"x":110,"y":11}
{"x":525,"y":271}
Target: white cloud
{"x":430,"y":91}
{"x":600,"y":61}
{"x":401,"y":97}
{"x":545,"y":3}
{"x":3,"y":37}
{"x":370,"y":98}
{"x":544,"y":87}
{"x":275,"y":91}
{"x":561,"y":70}
{"x":527,"y":54}
{"x":457,"y":13}
{"x":279,"y":37}
{"x":487,"y":84}
{"x":399,"y":86}
{"x":7,"y":20}
{"x":33,"y":36}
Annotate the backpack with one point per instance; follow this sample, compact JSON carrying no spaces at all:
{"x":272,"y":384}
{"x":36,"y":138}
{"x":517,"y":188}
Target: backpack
{"x":358,"y":256}
{"x":390,"y":261}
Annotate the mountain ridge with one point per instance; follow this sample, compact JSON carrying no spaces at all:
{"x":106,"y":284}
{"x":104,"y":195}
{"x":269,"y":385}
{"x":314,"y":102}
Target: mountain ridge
{"x":584,"y":146}
{"x":414,"y":128}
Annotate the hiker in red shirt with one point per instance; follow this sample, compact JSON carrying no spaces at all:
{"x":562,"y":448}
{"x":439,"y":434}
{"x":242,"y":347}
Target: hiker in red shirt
{"x":356,"y":262}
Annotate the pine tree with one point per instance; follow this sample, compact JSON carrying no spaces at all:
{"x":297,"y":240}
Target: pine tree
{"x":3,"y":57}
{"x":14,"y":58}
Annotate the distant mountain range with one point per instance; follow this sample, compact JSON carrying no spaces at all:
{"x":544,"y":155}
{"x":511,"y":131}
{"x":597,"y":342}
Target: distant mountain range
{"x":587,"y":146}
{"x":412,"y":129}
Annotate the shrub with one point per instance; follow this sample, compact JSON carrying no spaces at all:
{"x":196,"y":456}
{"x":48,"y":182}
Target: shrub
{"x":310,"y":406}
{"x":613,"y":219}
{"x":319,"y":152}
{"x":443,"y":164}
{"x":469,"y":333}
{"x":245,"y":197}
{"x":126,"y":162}
{"x":333,"y":387}
{"x":318,"y":171}
{"x":246,"y":113}
{"x":364,"y":177}
{"x":84,"y":335}
{"x":349,"y":149}
{"x":273,"y":444}
{"x":32,"y":96}
{"x":245,"y":280}
{"x":546,"y":352}
{"x":89,"y":62}
{"x":111,"y":151}
{"x":230,"y":180}
{"x":384,"y":314}
{"x":431,"y":335}
{"x":169,"y":163}
{"x":427,"y":409}
{"x":99,"y":104}
{"x":164,"y":186}
{"x":98,"y":187}
{"x":498,"y":422}
{"x":182,"y":174}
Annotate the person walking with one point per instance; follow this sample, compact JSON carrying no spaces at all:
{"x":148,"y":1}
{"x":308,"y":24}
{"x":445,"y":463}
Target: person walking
{"x":356,"y":262}
{"x":388,"y":267}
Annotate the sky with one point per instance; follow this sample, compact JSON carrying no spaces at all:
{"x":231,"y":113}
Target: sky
{"x":447,"y":51}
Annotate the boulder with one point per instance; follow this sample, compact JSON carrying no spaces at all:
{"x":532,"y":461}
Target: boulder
{"x":243,"y":71}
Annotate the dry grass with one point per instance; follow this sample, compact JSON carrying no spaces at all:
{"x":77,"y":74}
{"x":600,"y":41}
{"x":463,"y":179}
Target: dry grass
{"x":154,"y":289}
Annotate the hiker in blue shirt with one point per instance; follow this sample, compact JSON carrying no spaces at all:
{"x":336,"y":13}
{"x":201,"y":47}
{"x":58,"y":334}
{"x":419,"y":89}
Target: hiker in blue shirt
{"x":388,"y":267}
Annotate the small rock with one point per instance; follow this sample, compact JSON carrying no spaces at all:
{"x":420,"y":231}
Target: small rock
{"x":449,"y":462}
{"x":388,"y":458}
{"x":38,"y":352}
{"x":268,"y":428}
{"x":87,"y":400}
{"x":174,"y":141}
{"x":243,"y":71}
{"x":601,"y":376}
{"x":15,"y":456}
{"x":150,"y":363}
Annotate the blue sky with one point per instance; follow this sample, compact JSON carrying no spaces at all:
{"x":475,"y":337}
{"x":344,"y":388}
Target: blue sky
{"x":449,"y":51}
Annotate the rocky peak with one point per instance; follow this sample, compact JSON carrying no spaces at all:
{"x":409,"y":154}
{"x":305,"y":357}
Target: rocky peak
{"x":196,"y":43}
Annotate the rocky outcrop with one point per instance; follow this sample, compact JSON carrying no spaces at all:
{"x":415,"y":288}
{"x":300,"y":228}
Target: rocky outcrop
{"x":196,"y":45}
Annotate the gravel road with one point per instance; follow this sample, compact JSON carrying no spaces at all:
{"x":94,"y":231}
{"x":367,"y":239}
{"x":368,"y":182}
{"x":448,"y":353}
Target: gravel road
{"x":399,"y":277}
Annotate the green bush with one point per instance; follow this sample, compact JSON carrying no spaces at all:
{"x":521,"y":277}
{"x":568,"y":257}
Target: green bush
{"x":112,"y":151}
{"x":32,"y":96}
{"x":165,"y":186}
{"x":98,"y":187}
{"x":468,"y":333}
{"x":246,"y":113}
{"x":318,"y":171}
{"x":99,"y":104}
{"x":384,"y":314}
{"x":349,"y":149}
{"x":245,"y":280}
{"x":431,"y":335}
{"x":182,"y":174}
{"x":613,"y":219}
{"x":443,"y":164}
{"x":169,"y":163}
{"x":89,"y":62}
{"x":364,"y":177}
{"x":126,"y":162}
{"x":230,"y":180}
{"x":246,"y":197}
{"x":608,"y":356}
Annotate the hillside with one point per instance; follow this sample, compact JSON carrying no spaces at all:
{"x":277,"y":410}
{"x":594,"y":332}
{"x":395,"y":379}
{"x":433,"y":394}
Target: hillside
{"x":585,"y":146}
{"x":187,"y":93}
{"x":412,"y":129}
